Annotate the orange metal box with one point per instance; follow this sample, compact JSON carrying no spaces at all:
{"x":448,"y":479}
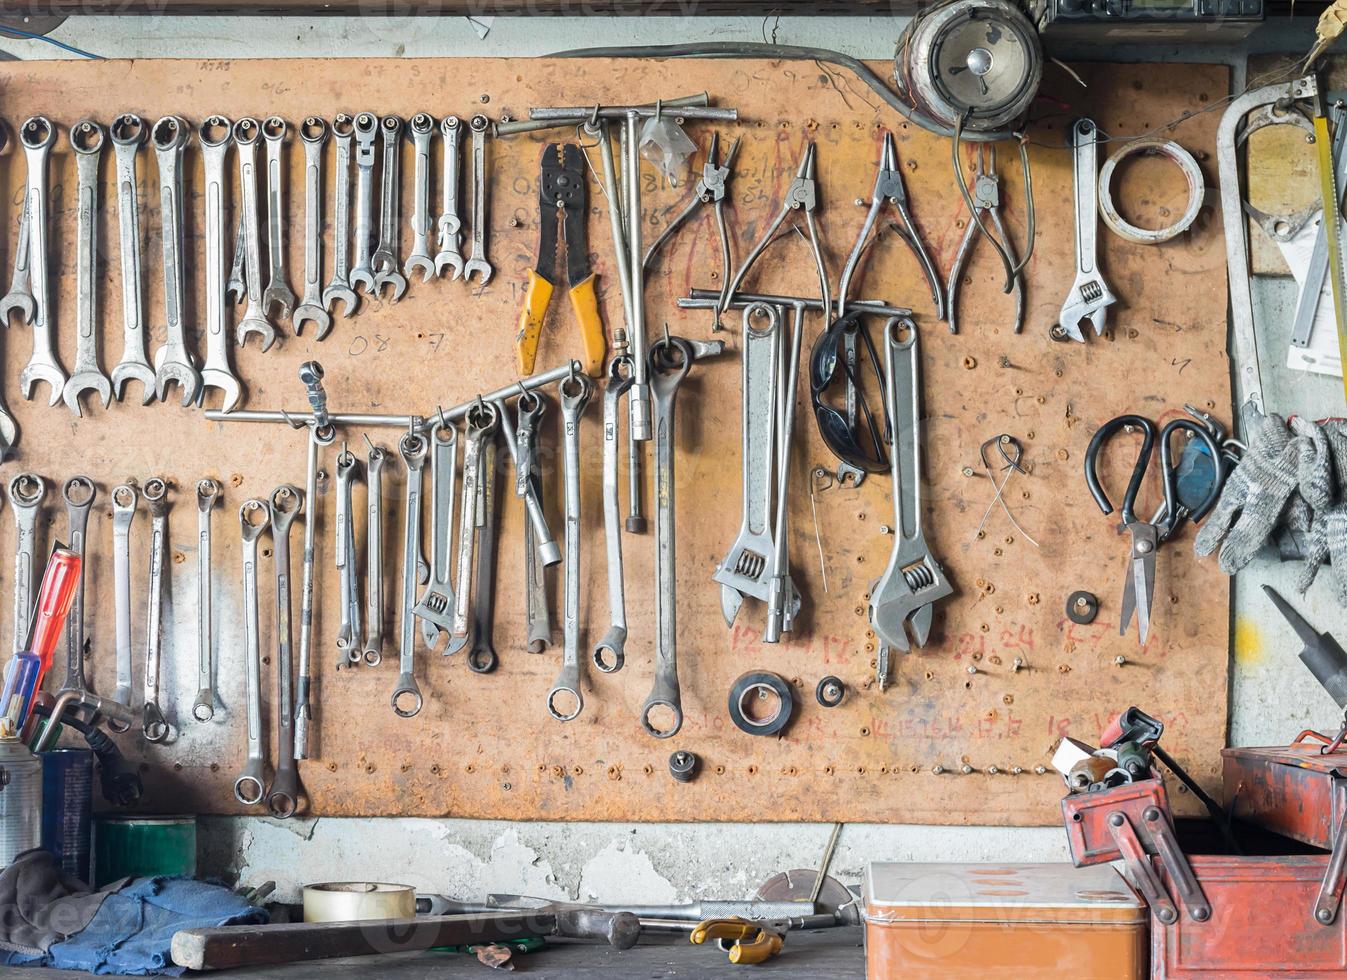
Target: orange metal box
{"x":989,"y":921}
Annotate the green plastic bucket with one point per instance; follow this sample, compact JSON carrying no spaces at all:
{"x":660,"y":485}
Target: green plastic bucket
{"x":143,"y":847}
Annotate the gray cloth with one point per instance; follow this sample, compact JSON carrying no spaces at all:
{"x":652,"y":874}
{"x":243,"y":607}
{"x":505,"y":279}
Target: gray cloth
{"x":41,"y":905}
{"x":1327,"y":536}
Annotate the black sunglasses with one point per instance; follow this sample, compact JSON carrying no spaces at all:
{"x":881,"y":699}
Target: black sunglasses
{"x":865,"y":448}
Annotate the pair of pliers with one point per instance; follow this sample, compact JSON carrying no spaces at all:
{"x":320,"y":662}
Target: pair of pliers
{"x":563,"y":200}
{"x":986,"y":205}
{"x":710,"y":190}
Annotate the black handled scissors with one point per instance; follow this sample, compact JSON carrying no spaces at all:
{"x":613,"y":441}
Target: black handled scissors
{"x":1139,"y":580}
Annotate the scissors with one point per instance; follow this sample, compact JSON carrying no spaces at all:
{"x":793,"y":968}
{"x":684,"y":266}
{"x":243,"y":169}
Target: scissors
{"x":1139,"y":579}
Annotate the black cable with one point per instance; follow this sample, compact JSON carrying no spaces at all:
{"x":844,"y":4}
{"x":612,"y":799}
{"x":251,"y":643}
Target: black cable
{"x":1218,"y":815}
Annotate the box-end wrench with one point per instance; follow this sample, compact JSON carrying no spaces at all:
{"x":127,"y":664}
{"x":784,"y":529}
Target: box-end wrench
{"x":477,"y":260}
{"x":609,"y":653}
{"x":783,"y":598}
{"x":1090,"y":296}
{"x":450,"y":225}
{"x":278,"y":293}
{"x":155,"y":727}
{"x":366,"y":128}
{"x":207,"y":493}
{"x":437,"y":602}
{"x":214,"y":135}
{"x":374,"y":556}
{"x":312,"y":308}
{"x":422,"y":128}
{"x":173,"y":363}
{"x":482,"y":658}
{"x":79,"y":494}
{"x":338,"y":288}
{"x":86,"y":137}
{"x":128,"y":133}
{"x":481,"y":424}
{"x":385,"y":259}
{"x":37,"y":136}
{"x":247,"y":131}
{"x":26,"y":492}
{"x":285,"y":793}
{"x":250,"y":786}
{"x":349,"y":633}
{"x":670,"y":359}
{"x":528,"y":480}
{"x":565,"y":701}
{"x":124,"y":500}
{"x":406,"y":698}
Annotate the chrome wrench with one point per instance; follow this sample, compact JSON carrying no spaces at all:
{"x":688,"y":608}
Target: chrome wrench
{"x":26,"y":492}
{"x":449,"y":225}
{"x":406,"y":698}
{"x":79,"y":494}
{"x":610,"y":652}
{"x":528,"y":480}
{"x":155,"y":726}
{"x":783,"y":599}
{"x":124,"y":499}
{"x":37,"y":136}
{"x":312,"y":308}
{"x":477,"y":260}
{"x":422,"y":128}
{"x":86,"y":137}
{"x":366,"y":128}
{"x":1090,"y":296}
{"x":349,"y":633}
{"x":247,"y":131}
{"x":250,"y":786}
{"x":128,"y":132}
{"x":278,"y":293}
{"x":482,"y":422}
{"x":482,"y":657}
{"x":575,"y":392}
{"x":20,"y":295}
{"x":173,"y":363}
{"x":548,"y":549}
{"x":284,"y":795}
{"x":207,"y":493}
{"x":385,"y":258}
{"x":374,"y":556}
{"x":338,"y":288}
{"x":437,"y":601}
{"x":214,"y":135}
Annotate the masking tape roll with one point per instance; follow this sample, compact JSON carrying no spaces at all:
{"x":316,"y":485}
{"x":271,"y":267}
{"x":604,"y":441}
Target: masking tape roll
{"x":351,"y":901}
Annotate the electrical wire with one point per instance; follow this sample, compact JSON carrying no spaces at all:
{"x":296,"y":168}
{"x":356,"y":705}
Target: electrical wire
{"x":29,"y":35}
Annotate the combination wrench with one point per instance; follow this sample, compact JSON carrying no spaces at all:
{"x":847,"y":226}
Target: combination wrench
{"x":481,"y":424}
{"x":313,"y":308}
{"x":610,"y":652}
{"x":278,"y":292}
{"x":37,"y":136}
{"x":128,"y":133}
{"x":1090,"y":296}
{"x":250,"y":786}
{"x":385,"y":258}
{"x":20,"y":295}
{"x":86,"y":137}
{"x":207,"y":493}
{"x":437,"y":602}
{"x":173,"y":363}
{"x":349,"y":633}
{"x":26,"y":492}
{"x":247,"y":131}
{"x":422,"y":128}
{"x":214,"y":135}
{"x":406,"y":698}
{"x":374,"y":556}
{"x":283,"y":797}
{"x":528,"y":480}
{"x":155,"y":726}
{"x":79,"y":494}
{"x":575,"y":392}
{"x":124,"y":500}
{"x":366,"y":127}
{"x":477,"y":260}
{"x":449,"y":225}
{"x":338,"y":288}
{"x":482,"y":658}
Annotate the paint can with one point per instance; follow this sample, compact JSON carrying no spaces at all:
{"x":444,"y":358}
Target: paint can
{"x":143,"y":847}
{"x":20,"y":800}
{"x":68,"y":809}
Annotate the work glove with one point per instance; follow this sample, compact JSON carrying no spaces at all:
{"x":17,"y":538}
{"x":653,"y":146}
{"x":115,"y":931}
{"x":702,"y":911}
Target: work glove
{"x":1253,"y":498}
{"x":1327,"y":538}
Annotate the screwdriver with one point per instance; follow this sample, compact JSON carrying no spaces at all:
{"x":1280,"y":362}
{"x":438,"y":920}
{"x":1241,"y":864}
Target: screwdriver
{"x":27,"y":667}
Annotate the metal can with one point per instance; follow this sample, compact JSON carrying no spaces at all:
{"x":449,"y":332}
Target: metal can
{"x":143,"y":847}
{"x":67,"y":809}
{"x":20,"y":800}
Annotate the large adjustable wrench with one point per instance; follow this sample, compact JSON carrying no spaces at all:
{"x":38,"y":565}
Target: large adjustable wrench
{"x":156,"y":727}
{"x":86,"y":137}
{"x":128,"y":132}
{"x":312,"y":308}
{"x":610,"y":652}
{"x":26,"y":492}
{"x":528,"y":480}
{"x":207,"y":493}
{"x":366,"y":128}
{"x":575,"y":392}
{"x":477,"y":259}
{"x":338,"y":288}
{"x":173,"y":363}
{"x":37,"y":136}
{"x":449,"y":225}
{"x":422,"y":128}
{"x":1090,"y":296}
{"x":214,"y":136}
{"x":247,"y":131}
{"x":250,"y":786}
{"x":283,"y":797}
{"x":385,"y":259}
{"x":348,"y":573}
{"x":437,"y":602}
{"x":124,"y":499}
{"x":79,"y":494}
{"x":406,"y":698}
{"x":374,"y":556}
{"x":278,"y":292}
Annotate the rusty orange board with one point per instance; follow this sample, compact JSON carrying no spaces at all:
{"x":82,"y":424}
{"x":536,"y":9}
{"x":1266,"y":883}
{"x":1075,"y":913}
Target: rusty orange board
{"x":1004,"y":674}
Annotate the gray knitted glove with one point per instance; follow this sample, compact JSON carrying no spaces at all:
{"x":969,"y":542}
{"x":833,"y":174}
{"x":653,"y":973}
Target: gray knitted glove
{"x":1327,"y":536}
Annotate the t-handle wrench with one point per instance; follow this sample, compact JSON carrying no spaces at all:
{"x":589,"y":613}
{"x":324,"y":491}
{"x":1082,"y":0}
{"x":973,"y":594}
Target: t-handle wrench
{"x":312,"y":309}
{"x":128,"y":132}
{"x":214,"y":136}
{"x":26,"y":492}
{"x":575,"y":392}
{"x":338,"y":288}
{"x":207,"y":493}
{"x":79,"y":494}
{"x":278,"y":293}
{"x":124,"y":499}
{"x":406,"y":698}
{"x":284,"y":796}
{"x":246,"y":133}
{"x":374,"y":556}
{"x":156,"y":727}
{"x":86,"y":137}
{"x":250,"y":786}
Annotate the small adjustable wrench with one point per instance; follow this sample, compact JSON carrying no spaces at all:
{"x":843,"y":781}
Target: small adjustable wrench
{"x":437,"y":602}
{"x":278,"y":293}
{"x":250,"y":786}
{"x":86,"y":137}
{"x":124,"y":499}
{"x":79,"y":494}
{"x":156,"y":728}
{"x":207,"y":493}
{"x":173,"y":363}
{"x":1090,"y":296}
{"x":37,"y":136}
{"x":610,"y":652}
{"x":284,"y":795}
{"x":214,"y":135}
{"x":477,"y":260}
{"x":247,"y":131}
{"x":312,"y":308}
{"x":385,"y":258}
{"x":575,"y":392}
{"x":406,"y":698}
{"x":528,"y":480}
{"x":349,"y":633}
{"x":366,"y":128}
{"x":338,"y":288}
{"x":128,"y":132}
{"x":26,"y":492}
{"x":422,"y":128}
{"x":450,"y":226}
{"x":374,"y":556}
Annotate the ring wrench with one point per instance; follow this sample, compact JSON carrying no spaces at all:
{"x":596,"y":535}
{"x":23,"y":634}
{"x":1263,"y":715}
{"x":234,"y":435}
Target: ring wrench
{"x":26,"y":492}
{"x":312,"y":309}
{"x":128,"y":132}
{"x":374,"y":556}
{"x":609,"y":653}
{"x":278,"y":293}
{"x":437,"y":602}
{"x":477,"y":260}
{"x":37,"y":136}
{"x":250,"y":786}
{"x":422,"y":128}
{"x":86,"y":137}
{"x":406,"y":698}
{"x":339,"y":288}
{"x":79,"y":494}
{"x":385,"y":259}
{"x":670,"y":360}
{"x":207,"y":493}
{"x":214,"y":135}
{"x":575,"y":392}
{"x":528,"y":480}
{"x":349,"y":633}
{"x":450,"y":226}
{"x":247,"y":131}
{"x":283,"y":797}
{"x":124,"y":499}
{"x":155,"y":726}
{"x":366,"y":128}
{"x":482,"y":421}
{"x":173,"y":363}
{"x":482,"y":658}
{"x":1090,"y":296}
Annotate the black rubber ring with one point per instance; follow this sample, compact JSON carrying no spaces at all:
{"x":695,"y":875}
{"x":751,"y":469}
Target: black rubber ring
{"x":761,"y":679}
{"x":1082,"y":607}
{"x":821,"y":691}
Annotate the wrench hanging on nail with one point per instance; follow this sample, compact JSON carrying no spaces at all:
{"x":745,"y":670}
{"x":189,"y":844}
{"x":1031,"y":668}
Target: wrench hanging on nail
{"x":366,"y":128}
{"x":207,"y":493}
{"x":575,"y":392}
{"x":482,"y":658}
{"x":128,"y":132}
{"x":609,"y":653}
{"x":349,"y":632}
{"x":251,"y":785}
{"x":124,"y":499}
{"x":278,"y":293}
{"x":247,"y":131}
{"x":482,"y":422}
{"x":477,"y":258}
{"x":284,"y":795}
{"x":173,"y":362}
{"x":214,"y":135}
{"x":528,"y":480}
{"x":26,"y":492}
{"x":422,"y":128}
{"x":385,"y":259}
{"x":437,"y":602}
{"x":374,"y":556}
{"x":449,"y":225}
{"x":338,"y":288}
{"x":156,"y":727}
{"x":79,"y":494}
{"x":406,"y":698}
{"x":86,"y":137}
{"x":37,"y":136}
{"x":312,"y":308}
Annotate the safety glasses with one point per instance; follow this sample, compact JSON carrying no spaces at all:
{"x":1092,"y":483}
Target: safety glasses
{"x":862,"y":446}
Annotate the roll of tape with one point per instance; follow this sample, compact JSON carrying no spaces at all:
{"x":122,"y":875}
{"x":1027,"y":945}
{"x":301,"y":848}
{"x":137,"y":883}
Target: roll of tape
{"x":352,"y":901}
{"x":1192,"y":175}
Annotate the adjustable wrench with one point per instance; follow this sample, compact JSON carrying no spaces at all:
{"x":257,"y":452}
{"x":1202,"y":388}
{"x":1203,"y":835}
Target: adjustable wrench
{"x":406,"y":698}
{"x":366,"y":128}
{"x":482,"y":657}
{"x":283,"y":797}
{"x":214,"y":134}
{"x":437,"y":601}
{"x":1090,"y":296}
{"x":374,"y":556}
{"x":246,"y":133}
{"x":477,"y":260}
{"x":312,"y":308}
{"x":278,"y":292}
{"x":128,"y":132}
{"x":338,"y":288}
{"x":155,"y":727}
{"x":610,"y":652}
{"x":450,"y":226}
{"x":482,"y":421}
{"x":528,"y":481}
{"x":385,"y":258}
{"x":250,"y":786}
{"x":348,"y":635}
{"x":86,"y":137}
{"x":37,"y":136}
{"x":173,"y":363}
{"x":575,"y":392}
{"x":207,"y":493}
{"x":26,"y":492}
{"x":124,"y":498}
{"x":422,"y":129}
{"x":79,"y":494}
